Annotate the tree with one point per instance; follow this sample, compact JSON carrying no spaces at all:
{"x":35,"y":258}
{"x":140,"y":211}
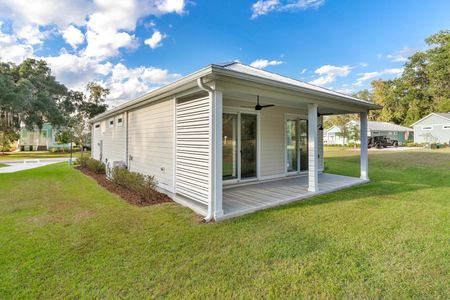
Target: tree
{"x":29,"y":94}
{"x":424,"y":86}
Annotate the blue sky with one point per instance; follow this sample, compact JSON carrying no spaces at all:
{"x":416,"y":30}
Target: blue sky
{"x":137,"y":45}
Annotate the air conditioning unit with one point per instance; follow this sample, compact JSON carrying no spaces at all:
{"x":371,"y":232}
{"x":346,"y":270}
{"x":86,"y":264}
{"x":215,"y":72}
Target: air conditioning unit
{"x":119,"y":163}
{"x":112,"y":165}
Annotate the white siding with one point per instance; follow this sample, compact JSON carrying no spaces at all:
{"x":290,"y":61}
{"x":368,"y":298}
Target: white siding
{"x":193,"y":148}
{"x":114,"y":140}
{"x":151,"y":141}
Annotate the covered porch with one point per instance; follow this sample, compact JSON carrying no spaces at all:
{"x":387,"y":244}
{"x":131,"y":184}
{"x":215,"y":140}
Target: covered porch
{"x":243,"y":199}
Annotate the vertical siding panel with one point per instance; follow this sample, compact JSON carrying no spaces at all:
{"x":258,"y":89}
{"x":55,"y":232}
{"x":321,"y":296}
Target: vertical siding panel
{"x":193,"y":141}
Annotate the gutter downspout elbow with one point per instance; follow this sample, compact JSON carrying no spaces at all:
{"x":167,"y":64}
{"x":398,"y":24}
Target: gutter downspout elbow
{"x":201,"y":85}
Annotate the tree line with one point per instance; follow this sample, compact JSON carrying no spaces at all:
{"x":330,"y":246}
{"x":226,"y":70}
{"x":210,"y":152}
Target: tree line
{"x":31,"y":96}
{"x":423,"y":87}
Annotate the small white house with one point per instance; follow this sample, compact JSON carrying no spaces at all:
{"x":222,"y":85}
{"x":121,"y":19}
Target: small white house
{"x":333,"y":136}
{"x":229,"y":139}
{"x":434,"y":128}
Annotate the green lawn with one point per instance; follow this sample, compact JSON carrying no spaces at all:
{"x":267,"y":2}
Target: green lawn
{"x":62,"y":236}
{"x":37,"y":154}
{"x":3,"y":165}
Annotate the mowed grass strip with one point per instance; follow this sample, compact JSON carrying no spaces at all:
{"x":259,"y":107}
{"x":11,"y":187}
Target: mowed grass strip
{"x":63,"y":236}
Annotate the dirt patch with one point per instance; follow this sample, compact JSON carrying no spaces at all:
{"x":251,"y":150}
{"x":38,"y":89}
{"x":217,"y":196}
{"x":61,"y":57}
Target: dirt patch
{"x":124,"y":193}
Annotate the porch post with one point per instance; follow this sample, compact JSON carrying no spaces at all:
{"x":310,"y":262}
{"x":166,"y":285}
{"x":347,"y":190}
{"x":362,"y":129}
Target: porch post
{"x":217,"y":152}
{"x":313,"y":170}
{"x":364,"y":146}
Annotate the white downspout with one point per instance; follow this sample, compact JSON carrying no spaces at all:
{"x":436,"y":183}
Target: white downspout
{"x":210,"y":91}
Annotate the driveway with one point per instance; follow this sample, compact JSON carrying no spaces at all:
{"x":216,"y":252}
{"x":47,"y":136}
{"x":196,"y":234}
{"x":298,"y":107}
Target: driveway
{"x":20,"y":164}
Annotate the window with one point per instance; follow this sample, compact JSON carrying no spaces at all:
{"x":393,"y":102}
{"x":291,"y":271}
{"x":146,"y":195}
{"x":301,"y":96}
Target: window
{"x":427,"y":127}
{"x":445,"y":126}
{"x":119,"y":120}
{"x":111,"y":123}
{"x":97,"y":126}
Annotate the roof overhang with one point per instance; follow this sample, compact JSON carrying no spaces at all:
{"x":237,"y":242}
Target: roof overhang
{"x":215,"y":72}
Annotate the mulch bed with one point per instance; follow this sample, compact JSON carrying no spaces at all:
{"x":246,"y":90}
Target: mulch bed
{"x":123,"y":192}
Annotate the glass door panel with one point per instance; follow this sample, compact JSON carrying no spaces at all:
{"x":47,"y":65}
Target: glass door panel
{"x":303,"y":145}
{"x":229,"y":146}
{"x":291,"y":146}
{"x":248,"y":145}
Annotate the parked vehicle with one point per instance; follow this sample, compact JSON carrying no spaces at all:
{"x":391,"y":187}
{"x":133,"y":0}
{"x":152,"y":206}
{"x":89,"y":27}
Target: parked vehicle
{"x":381,"y":142}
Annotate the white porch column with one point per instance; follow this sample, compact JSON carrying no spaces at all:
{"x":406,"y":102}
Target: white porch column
{"x":313,"y":164}
{"x":364,"y":151}
{"x":217,"y":105}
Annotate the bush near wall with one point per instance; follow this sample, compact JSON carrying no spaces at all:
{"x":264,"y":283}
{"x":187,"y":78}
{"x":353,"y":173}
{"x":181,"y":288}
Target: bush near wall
{"x":94,"y":165}
{"x":144,"y":185}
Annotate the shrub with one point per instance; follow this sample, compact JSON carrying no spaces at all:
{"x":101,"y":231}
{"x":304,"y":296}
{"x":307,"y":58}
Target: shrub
{"x":95,"y":166}
{"x":143,"y":185}
{"x":82,"y":161}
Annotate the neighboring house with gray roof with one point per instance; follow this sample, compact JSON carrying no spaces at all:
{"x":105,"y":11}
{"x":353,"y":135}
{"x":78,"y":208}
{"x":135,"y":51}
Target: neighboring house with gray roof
{"x":434,"y":128}
{"x":333,"y":136}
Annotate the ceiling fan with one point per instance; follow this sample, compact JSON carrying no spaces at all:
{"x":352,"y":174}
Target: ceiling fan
{"x":258,"y":106}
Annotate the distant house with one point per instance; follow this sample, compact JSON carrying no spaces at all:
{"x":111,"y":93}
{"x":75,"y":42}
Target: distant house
{"x":333,"y":136}
{"x":434,"y":128}
{"x":39,"y":139}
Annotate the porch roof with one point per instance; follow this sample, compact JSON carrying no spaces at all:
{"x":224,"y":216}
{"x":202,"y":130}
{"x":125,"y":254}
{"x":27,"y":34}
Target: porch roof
{"x":238,"y":71}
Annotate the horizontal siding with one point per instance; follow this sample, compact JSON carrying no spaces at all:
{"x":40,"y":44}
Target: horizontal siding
{"x":193,"y":127}
{"x":151,"y":142}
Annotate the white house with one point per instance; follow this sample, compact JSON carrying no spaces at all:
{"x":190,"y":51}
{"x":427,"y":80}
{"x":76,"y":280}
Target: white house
{"x":434,"y":128}
{"x":332,"y":135}
{"x":229,"y":139}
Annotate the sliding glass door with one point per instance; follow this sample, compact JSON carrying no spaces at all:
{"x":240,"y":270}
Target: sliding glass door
{"x":296,"y":145}
{"x":239,"y":146}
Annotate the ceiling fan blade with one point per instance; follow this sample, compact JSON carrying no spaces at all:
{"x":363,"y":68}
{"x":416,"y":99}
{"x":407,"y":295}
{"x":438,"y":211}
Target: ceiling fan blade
{"x":268,"y":105}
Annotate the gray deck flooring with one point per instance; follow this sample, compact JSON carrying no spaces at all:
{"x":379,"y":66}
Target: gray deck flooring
{"x":240,"y":200}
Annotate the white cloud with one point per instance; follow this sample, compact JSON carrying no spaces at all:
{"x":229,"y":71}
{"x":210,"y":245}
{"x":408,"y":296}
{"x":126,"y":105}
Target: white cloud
{"x":45,"y":12}
{"x":401,"y":55}
{"x":31,"y":34}
{"x":303,"y":71}
{"x":76,"y":71}
{"x":73,"y":36}
{"x":126,"y":83}
{"x":329,"y":73}
{"x":371,"y":75}
{"x":102,"y":27}
{"x":155,"y":40}
{"x":263,"y":7}
{"x":11,"y":49}
{"x":264,"y":63}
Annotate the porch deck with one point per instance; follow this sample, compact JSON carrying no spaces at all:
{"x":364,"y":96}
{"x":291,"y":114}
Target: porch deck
{"x":241,"y":200}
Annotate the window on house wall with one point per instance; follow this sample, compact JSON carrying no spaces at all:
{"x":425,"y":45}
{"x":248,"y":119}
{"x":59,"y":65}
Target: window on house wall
{"x":427,"y":127}
{"x":97,"y":126}
{"x":111,"y":123}
{"x":119,"y":120}
{"x":445,"y":126}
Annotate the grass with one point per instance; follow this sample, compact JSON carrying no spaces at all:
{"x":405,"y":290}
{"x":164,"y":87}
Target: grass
{"x":37,"y":154}
{"x":62,"y":236}
{"x":3,"y":165}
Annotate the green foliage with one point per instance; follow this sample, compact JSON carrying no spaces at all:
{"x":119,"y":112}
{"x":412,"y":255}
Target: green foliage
{"x":82,"y":161}
{"x":144,"y":185}
{"x":424,"y":86}
{"x":94,"y":165}
{"x":6,"y":139}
